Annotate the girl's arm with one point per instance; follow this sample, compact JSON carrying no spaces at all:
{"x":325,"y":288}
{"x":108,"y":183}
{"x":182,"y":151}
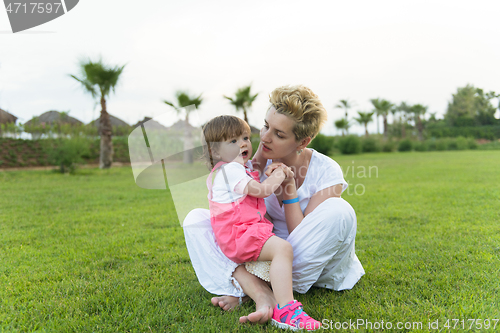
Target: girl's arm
{"x":267,"y":187}
{"x":293,"y":213}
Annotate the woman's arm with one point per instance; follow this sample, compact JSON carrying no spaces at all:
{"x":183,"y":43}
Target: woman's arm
{"x":259,"y":162}
{"x":293,"y":213}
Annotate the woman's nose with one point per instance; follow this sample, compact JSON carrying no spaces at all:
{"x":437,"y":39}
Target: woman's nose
{"x":264,"y":136}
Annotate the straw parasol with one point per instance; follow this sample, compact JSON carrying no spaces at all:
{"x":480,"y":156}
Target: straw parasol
{"x":6,"y":117}
{"x":152,"y":124}
{"x":53,"y":117}
{"x":115,"y":122}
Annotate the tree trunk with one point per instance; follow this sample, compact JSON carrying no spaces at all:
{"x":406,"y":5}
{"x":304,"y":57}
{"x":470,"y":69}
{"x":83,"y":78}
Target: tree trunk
{"x":385,"y":125}
{"x":366,"y":129}
{"x":245,"y":116}
{"x":106,"y":156}
{"x":403,"y":127}
{"x":378,"y":125}
{"x":420,"y":128}
{"x":188,"y":143}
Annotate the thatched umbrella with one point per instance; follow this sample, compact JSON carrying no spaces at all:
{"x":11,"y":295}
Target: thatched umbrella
{"x":179,"y":126}
{"x":47,"y":120}
{"x":115,"y":122}
{"x":53,"y":117}
{"x":152,"y":124}
{"x":6,"y":117}
{"x":119,"y":126}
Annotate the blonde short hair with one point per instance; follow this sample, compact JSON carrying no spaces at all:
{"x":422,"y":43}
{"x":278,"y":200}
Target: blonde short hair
{"x":303,"y":106}
{"x":220,"y":129}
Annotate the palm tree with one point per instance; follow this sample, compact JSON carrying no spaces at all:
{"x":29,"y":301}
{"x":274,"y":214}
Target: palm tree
{"x":183,"y":101}
{"x":243,"y":100}
{"x":365,"y":118}
{"x":405,"y":110}
{"x":382,"y":108}
{"x":346,"y":105}
{"x":342,"y":124}
{"x":99,"y":80}
{"x":418,"y":110}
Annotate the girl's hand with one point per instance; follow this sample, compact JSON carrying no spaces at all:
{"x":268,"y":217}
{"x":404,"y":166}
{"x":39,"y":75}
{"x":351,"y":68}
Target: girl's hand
{"x":273,"y":166}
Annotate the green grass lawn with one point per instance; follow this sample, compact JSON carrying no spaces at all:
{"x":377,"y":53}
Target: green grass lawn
{"x":92,"y":252}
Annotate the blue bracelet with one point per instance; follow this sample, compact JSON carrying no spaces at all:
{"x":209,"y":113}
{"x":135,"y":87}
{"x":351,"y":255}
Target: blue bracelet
{"x":291,"y":201}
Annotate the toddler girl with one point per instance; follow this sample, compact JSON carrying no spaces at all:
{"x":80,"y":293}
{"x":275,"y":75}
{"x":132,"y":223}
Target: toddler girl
{"x":237,"y":213}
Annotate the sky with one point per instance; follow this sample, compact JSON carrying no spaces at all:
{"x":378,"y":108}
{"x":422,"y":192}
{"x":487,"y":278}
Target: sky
{"x":413,"y":51}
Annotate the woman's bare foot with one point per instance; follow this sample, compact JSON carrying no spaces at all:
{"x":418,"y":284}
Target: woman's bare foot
{"x":228,"y":303}
{"x":264,"y":311}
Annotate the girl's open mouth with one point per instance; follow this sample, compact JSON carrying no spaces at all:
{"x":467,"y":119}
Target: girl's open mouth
{"x":244,"y":154}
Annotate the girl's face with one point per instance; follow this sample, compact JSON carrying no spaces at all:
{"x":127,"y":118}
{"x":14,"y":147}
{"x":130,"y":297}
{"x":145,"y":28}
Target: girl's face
{"x":238,"y":149}
{"x":278,"y":140}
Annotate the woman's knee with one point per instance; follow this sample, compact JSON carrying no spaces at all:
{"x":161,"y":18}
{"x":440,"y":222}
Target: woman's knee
{"x":198,"y":216}
{"x":334,"y":214}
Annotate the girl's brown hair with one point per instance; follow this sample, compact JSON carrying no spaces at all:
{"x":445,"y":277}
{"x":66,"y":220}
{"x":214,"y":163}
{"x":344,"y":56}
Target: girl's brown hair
{"x":220,"y":129}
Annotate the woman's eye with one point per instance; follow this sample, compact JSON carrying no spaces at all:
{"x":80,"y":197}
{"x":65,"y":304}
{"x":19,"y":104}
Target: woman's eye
{"x":266,"y":126}
{"x":277,"y":134}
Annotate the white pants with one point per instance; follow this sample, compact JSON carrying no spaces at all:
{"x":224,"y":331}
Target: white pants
{"x":323,"y":251}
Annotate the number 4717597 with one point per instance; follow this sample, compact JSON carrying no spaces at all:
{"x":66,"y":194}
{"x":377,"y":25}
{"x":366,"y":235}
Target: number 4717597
{"x":33,"y":7}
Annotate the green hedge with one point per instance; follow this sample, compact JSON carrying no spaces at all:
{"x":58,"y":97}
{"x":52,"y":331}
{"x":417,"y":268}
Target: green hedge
{"x":350,"y":144}
{"x":323,"y":144}
{"x":22,"y":153}
{"x":490,"y":132}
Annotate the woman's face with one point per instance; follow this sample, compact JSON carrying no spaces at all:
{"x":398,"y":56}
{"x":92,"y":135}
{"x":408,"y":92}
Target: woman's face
{"x":278,"y":140}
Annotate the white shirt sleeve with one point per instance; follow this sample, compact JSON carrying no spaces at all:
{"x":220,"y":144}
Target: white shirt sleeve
{"x":235,"y":181}
{"x":329,"y":174}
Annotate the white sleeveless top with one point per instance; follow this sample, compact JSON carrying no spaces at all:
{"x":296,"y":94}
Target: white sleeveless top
{"x":322,"y":172}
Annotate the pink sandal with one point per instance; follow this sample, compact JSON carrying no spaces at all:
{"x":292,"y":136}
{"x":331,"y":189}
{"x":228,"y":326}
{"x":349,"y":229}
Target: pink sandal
{"x":293,"y":317}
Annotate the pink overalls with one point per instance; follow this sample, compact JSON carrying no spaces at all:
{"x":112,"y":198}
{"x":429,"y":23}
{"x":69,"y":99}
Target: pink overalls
{"x":240,"y":227}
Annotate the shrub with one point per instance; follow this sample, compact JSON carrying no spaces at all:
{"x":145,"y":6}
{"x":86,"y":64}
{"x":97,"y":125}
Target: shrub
{"x":452,"y":144}
{"x":405,"y":145}
{"x":370,"y":145}
{"x":431,"y":144}
{"x":388,"y":146}
{"x":471,"y":143}
{"x":323,"y":144}
{"x":462,"y":143}
{"x":66,"y":153}
{"x":421,"y":146}
{"x":442,"y":144}
{"x":350,"y":144}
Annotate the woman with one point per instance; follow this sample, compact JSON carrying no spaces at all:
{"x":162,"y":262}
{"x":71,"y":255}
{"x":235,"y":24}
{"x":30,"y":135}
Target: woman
{"x":318,"y":223}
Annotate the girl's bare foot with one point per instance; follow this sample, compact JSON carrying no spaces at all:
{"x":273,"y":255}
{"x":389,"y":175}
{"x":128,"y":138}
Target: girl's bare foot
{"x":228,"y":303}
{"x":264,"y":311}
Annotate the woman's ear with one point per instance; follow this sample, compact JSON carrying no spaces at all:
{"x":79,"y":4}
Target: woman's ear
{"x":304,"y":142}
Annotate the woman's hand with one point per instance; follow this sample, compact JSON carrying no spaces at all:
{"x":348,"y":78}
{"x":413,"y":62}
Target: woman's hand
{"x":273,"y":166}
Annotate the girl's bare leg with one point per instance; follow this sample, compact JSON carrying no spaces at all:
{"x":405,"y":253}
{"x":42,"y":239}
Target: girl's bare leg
{"x":281,"y":254}
{"x":260,"y":292}
{"x":256,"y":289}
